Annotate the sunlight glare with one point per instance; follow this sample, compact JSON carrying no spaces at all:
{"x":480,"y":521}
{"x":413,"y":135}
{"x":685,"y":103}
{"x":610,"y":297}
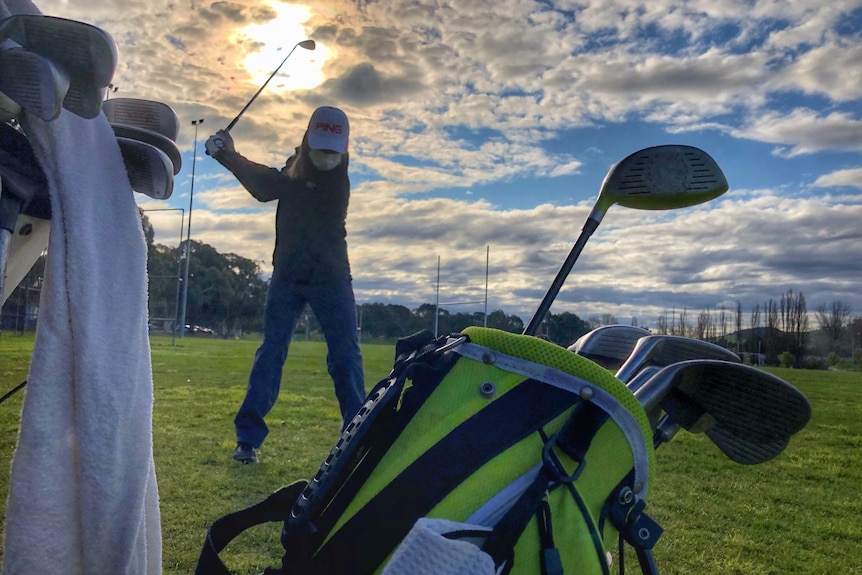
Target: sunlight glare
{"x":279,"y":36}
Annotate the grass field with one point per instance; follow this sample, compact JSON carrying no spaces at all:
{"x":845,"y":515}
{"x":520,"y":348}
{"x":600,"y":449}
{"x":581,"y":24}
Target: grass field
{"x":797,"y":514}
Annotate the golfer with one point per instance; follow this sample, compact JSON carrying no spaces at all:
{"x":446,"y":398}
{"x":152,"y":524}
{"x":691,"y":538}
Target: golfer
{"x":310,"y":266}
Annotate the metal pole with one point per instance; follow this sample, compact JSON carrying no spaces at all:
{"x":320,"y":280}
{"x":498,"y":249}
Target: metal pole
{"x":437,"y":298}
{"x":487,"y":261}
{"x":195,"y":123}
{"x":179,"y":265}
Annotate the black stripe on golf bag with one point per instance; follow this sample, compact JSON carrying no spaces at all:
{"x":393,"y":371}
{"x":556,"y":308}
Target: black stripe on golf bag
{"x":368,"y":537}
{"x":574,"y":440}
{"x":380,"y":422}
{"x":425,"y":379}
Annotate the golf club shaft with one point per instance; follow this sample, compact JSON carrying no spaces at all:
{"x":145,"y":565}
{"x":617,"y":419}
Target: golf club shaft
{"x":253,"y":98}
{"x":533,"y":326}
{"x":5,"y":239}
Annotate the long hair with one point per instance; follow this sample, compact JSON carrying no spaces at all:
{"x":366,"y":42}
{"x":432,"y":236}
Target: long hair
{"x":299,"y":165}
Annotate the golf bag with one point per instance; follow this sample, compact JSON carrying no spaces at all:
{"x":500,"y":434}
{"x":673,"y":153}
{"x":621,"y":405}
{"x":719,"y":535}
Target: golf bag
{"x":481,"y":452}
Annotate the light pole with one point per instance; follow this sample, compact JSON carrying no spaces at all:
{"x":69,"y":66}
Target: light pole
{"x":195,"y":123}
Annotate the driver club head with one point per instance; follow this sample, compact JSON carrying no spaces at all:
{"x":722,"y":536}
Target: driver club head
{"x":749,"y":413}
{"x":661,"y":178}
{"x":663,"y":350}
{"x":608,"y":345}
{"x":657,"y":178}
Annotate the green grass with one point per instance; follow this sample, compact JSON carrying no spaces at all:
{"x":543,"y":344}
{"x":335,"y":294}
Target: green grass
{"x":797,"y":514}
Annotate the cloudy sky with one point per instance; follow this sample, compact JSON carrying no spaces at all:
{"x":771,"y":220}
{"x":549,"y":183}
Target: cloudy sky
{"x":489,"y":125}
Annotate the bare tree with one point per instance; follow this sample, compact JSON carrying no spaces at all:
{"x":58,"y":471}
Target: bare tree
{"x":738,"y":324}
{"x":754,"y":325}
{"x":683,"y":325}
{"x":771,"y":340}
{"x":834,"y":319}
{"x":661,"y":324}
{"x":701,"y":330}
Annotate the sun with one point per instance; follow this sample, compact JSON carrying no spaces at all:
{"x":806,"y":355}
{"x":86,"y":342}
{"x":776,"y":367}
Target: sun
{"x":277,"y":37}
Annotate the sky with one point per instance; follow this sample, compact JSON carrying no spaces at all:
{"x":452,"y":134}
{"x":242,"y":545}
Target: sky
{"x":481,"y":131}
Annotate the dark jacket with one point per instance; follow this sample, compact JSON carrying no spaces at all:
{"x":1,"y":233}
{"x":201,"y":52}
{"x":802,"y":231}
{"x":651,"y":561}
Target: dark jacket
{"x":310,"y":233}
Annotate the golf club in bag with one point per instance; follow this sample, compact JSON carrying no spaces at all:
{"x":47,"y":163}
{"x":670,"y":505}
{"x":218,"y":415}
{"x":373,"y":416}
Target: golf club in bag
{"x":213,"y":145}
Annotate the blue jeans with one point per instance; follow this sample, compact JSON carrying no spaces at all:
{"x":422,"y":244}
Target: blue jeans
{"x":334,"y":306}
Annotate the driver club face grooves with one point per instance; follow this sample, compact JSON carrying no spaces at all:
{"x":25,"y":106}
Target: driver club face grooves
{"x":663,"y":177}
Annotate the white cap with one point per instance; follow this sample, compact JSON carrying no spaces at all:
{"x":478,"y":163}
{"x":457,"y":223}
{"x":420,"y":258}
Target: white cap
{"x":328,"y":129}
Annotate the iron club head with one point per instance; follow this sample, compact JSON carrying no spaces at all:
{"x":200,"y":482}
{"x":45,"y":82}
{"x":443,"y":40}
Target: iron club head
{"x":663,"y":350}
{"x":147,"y":114}
{"x":750,"y":414}
{"x":149,"y":169}
{"x":609,"y":345}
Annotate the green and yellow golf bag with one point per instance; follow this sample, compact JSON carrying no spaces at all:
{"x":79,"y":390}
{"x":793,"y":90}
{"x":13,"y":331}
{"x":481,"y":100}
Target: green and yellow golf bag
{"x":481,"y":452}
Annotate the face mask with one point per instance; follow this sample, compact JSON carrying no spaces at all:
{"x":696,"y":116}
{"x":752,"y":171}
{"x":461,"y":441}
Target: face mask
{"x":323,"y":161}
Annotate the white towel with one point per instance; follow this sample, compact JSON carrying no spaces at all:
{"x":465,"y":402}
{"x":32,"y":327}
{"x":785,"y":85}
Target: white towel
{"x":83,"y":498}
{"x":425,"y":551}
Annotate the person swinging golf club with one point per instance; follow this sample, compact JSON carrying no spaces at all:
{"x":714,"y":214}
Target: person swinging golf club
{"x":310,"y":266}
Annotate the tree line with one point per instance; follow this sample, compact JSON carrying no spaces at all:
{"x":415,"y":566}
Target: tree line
{"x":226,"y":294}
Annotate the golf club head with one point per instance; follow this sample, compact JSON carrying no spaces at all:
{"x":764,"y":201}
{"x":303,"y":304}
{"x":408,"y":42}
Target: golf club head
{"x":609,"y":345}
{"x":150,"y":170}
{"x":661,"y":178}
{"x":147,"y":114}
{"x":32,"y":82}
{"x":87,"y":55}
{"x":154,"y":139}
{"x":743,"y":451}
{"x":663,"y":350}
{"x":307,"y":44}
{"x":751,"y":412}
{"x":657,"y":178}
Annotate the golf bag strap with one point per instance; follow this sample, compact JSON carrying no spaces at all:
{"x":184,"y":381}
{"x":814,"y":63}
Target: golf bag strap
{"x":355,"y":548}
{"x":224,"y":530}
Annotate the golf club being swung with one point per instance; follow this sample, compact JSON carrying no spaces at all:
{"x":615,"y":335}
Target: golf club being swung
{"x":657,"y":178}
{"x":307,"y":45}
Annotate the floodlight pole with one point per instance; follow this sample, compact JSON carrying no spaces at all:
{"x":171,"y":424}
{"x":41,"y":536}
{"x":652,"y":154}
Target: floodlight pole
{"x":195,"y":123}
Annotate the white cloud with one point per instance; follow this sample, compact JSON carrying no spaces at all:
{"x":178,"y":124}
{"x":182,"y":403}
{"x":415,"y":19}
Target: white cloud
{"x":851,"y":177}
